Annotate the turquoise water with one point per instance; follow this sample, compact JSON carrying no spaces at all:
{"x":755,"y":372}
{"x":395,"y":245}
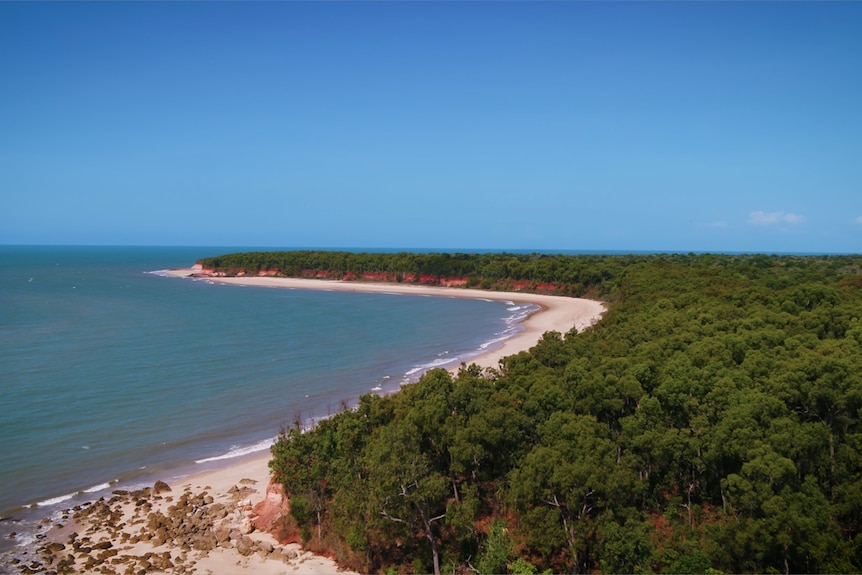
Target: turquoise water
{"x":113,"y":374}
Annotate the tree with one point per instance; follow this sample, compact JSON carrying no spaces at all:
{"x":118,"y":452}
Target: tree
{"x":569,"y":476}
{"x":406,"y":490}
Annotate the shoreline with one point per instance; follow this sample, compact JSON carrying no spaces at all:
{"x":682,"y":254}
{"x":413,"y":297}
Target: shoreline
{"x":556,"y":313}
{"x":240,"y":490}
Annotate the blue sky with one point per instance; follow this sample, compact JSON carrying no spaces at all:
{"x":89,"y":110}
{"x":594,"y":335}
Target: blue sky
{"x":679,"y":126}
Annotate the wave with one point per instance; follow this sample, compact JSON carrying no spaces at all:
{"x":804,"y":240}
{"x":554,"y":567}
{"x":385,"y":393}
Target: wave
{"x":61,"y":498}
{"x":55,"y":500}
{"x":99,"y":487}
{"x":517,"y":314}
{"x":237,"y":451}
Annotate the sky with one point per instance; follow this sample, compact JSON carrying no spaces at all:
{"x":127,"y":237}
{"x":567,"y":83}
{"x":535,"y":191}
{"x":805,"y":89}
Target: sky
{"x":632,"y":126}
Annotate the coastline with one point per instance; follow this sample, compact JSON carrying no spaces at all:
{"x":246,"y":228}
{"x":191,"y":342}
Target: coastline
{"x":240,"y":491}
{"x":556,"y":313}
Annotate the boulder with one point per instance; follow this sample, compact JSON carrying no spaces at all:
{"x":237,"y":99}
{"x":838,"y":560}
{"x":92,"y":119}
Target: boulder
{"x":218,"y":510}
{"x":162,"y":562}
{"x":154,"y":521}
{"x":161,"y":487}
{"x":205,"y":543}
{"x":222,"y":535}
{"x":246,"y":525}
{"x":245,"y":546}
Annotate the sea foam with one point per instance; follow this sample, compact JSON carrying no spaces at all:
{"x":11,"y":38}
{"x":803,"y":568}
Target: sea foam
{"x":237,"y":451}
{"x":55,"y":500}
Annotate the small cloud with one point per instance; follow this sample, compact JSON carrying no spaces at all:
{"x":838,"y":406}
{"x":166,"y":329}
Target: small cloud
{"x":721,"y":224}
{"x":858,"y":220}
{"x":761,"y":218}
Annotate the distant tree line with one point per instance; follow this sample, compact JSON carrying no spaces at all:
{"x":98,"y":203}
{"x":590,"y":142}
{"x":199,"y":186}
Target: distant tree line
{"x":709,"y":423}
{"x":595,"y":276}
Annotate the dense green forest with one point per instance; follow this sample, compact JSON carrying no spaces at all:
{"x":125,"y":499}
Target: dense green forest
{"x":709,"y":423}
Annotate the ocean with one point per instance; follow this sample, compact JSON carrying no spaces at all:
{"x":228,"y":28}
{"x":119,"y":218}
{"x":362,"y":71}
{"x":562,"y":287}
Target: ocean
{"x":114,"y":374}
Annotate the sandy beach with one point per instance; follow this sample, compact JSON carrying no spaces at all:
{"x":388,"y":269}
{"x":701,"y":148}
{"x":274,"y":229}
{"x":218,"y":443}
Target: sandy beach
{"x":216,"y":522}
{"x":557,"y":313}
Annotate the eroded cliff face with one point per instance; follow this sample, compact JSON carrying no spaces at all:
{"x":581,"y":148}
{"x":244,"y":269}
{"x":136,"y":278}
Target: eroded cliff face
{"x":389,"y":277}
{"x":268,"y":513}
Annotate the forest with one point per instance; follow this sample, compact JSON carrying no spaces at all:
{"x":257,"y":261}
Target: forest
{"x":565,"y":275}
{"x":709,"y":423}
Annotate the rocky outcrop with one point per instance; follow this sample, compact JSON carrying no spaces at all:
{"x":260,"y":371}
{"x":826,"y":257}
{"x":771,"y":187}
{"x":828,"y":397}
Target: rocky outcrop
{"x":268,"y":513}
{"x":146,"y":532}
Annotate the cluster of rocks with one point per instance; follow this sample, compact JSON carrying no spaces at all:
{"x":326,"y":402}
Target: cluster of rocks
{"x":134,"y":533}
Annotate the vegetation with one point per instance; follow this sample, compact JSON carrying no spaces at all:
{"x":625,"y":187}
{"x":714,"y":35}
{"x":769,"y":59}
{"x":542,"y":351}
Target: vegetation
{"x":709,"y":423}
{"x":590,"y":276}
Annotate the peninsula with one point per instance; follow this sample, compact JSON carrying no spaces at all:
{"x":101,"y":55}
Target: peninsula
{"x":709,"y":421}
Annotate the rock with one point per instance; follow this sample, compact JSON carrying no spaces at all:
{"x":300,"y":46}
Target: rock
{"x":276,"y":554}
{"x":245,"y":546}
{"x":222,"y":535}
{"x":218,"y":510}
{"x":160,"y":487}
{"x":205,"y":543}
{"x":265,"y":546}
{"x":246,"y":525}
{"x":154,"y":521}
{"x":162,"y":562}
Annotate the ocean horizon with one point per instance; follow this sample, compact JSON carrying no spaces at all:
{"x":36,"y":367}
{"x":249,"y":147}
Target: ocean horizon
{"x":116,"y":374}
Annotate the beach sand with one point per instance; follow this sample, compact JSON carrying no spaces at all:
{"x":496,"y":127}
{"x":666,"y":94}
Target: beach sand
{"x":558,"y":313}
{"x":160,"y":531}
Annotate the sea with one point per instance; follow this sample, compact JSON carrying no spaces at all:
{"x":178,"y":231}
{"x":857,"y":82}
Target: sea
{"x":114,"y":374}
